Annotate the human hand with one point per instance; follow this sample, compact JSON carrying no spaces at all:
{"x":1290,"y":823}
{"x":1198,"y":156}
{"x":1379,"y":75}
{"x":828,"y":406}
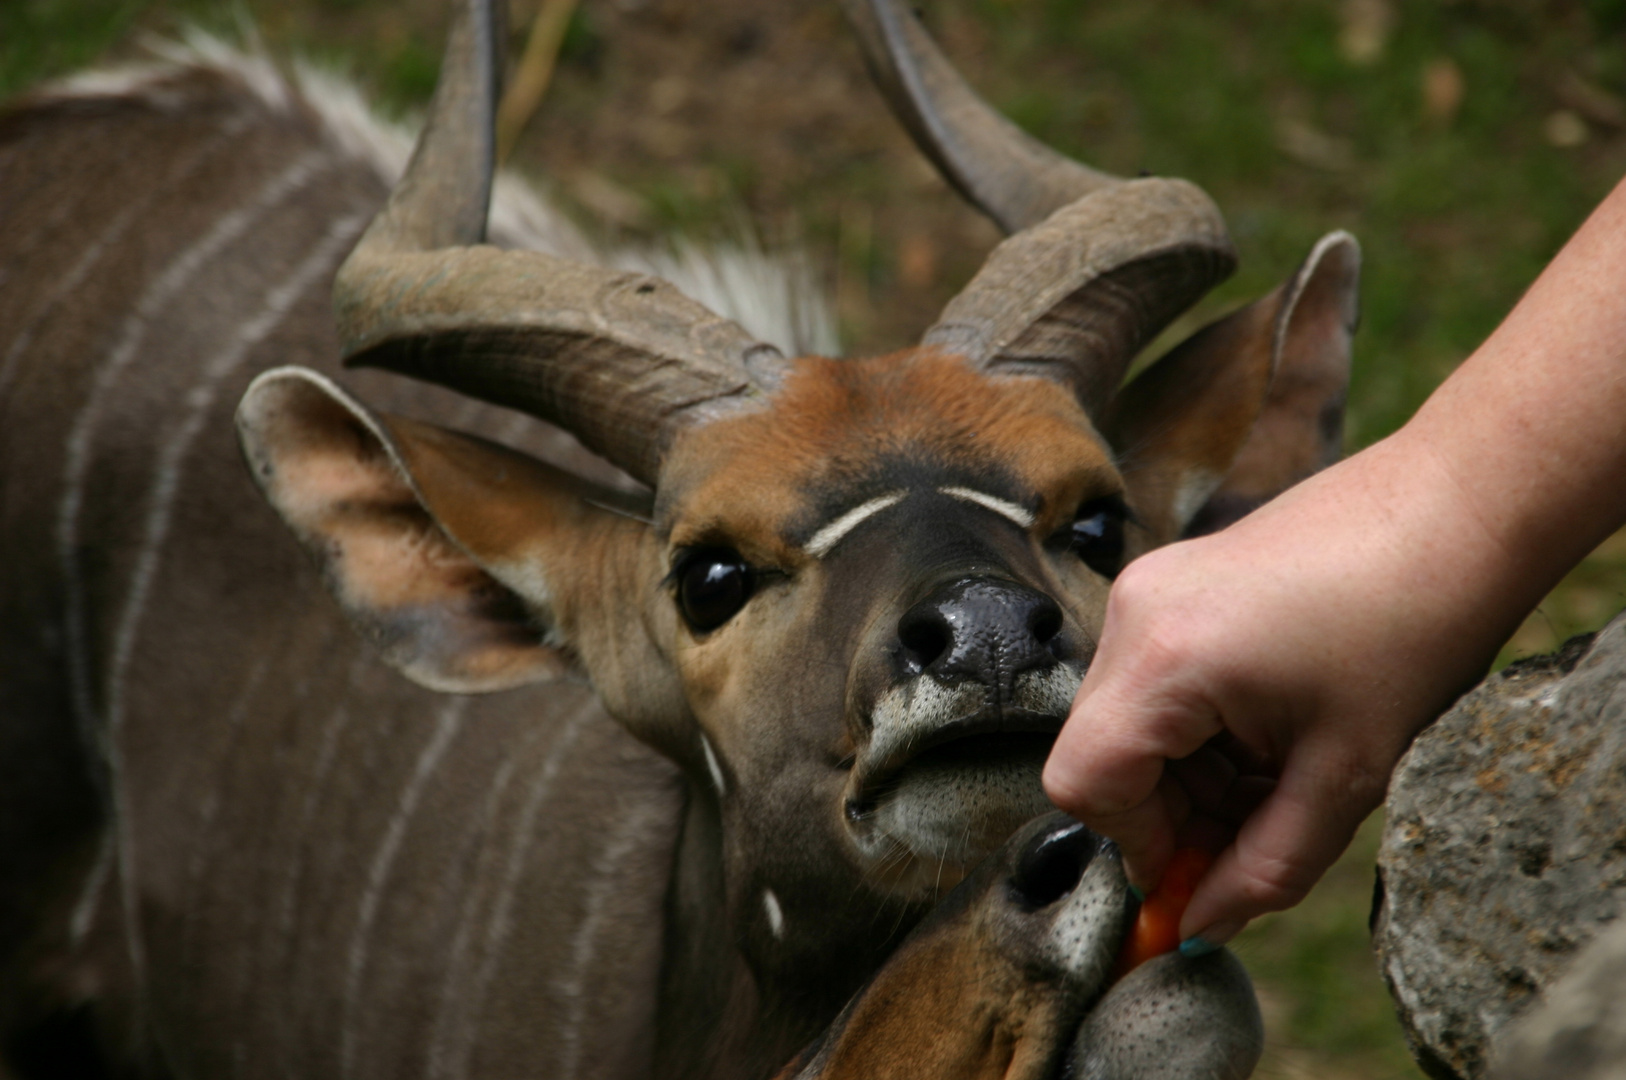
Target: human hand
{"x":1262,"y":682}
{"x":1254,"y":688}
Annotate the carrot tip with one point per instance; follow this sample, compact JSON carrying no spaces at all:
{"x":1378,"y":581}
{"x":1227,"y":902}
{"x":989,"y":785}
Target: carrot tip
{"x":1157,"y":929}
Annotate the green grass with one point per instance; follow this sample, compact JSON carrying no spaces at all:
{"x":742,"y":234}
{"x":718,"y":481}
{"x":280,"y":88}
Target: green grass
{"x":41,"y":38}
{"x":1327,"y":1015}
{"x":1263,"y":102}
{"x":1455,"y":215}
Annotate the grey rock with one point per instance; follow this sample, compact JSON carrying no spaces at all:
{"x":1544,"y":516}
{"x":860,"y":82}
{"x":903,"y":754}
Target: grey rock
{"x":1578,"y":1030}
{"x":1504,"y":850}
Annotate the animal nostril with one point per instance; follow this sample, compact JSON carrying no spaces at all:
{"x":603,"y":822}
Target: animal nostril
{"x":1044,"y":622}
{"x":924,"y":634}
{"x":1051,"y":865}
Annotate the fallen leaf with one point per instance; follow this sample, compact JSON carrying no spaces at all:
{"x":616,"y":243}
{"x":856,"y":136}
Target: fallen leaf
{"x":917,"y":260}
{"x":668,"y":94}
{"x":609,"y":200}
{"x":1364,"y":33}
{"x":1564,"y":129}
{"x":1443,"y":90}
{"x":1309,"y":145}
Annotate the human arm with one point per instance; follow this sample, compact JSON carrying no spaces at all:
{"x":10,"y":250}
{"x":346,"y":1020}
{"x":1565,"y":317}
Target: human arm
{"x":1323,"y":630}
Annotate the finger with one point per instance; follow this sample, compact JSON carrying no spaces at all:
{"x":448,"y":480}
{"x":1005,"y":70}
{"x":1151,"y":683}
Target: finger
{"x":1097,"y":774}
{"x":1145,"y":837}
{"x":1112,"y":749}
{"x":1281,"y":850}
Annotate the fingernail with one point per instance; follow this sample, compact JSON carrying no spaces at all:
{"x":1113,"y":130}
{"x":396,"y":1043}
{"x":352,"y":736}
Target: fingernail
{"x":1210,"y":940}
{"x":1196,"y":946}
{"x":1137,"y":892}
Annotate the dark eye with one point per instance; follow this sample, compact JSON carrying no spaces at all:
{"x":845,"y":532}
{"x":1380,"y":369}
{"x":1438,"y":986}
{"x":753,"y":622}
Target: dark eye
{"x":712,"y":584}
{"x":1098,"y":536}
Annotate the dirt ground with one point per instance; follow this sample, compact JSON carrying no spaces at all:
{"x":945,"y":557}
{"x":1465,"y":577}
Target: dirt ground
{"x":728,"y":104}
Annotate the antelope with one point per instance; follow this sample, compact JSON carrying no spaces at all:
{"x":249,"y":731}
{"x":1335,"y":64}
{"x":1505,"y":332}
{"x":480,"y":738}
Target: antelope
{"x":704,"y":713}
{"x":1005,"y":977}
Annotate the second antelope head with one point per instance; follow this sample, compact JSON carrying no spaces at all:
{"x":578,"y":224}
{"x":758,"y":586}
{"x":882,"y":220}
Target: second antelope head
{"x":860,"y":597}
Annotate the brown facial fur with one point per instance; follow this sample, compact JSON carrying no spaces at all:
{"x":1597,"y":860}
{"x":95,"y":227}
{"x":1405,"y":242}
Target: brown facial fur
{"x":952,"y":1005}
{"x":807,"y":657}
{"x":755,"y":480}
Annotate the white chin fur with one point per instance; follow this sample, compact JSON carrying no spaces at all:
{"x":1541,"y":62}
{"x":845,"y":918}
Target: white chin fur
{"x":944,"y":814}
{"x":949,"y":817}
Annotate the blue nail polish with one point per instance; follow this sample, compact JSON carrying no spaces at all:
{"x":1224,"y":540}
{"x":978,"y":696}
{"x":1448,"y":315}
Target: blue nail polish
{"x":1193,"y":947}
{"x":1134,"y":890}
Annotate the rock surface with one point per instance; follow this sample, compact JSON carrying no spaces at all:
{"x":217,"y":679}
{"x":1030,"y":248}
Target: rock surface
{"x":1578,"y":1031}
{"x":1504,"y":850}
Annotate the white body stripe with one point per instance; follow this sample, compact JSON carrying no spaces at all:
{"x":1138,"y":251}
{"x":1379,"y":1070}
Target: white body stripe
{"x":166,"y":481}
{"x":209,"y":805}
{"x":828,"y":537}
{"x":326,"y":753}
{"x":1022,"y":516}
{"x":583,"y":949}
{"x":776,"y":914}
{"x":164,"y":288}
{"x":713,"y":766}
{"x":167,"y":478}
{"x":449,"y":1055}
{"x":378,"y":872}
{"x":137,"y":210}
{"x":450,"y":1011}
{"x":316,"y":783}
{"x":81,"y":434}
{"x":90,"y":898}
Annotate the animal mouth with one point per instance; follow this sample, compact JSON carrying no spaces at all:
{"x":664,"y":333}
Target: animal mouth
{"x":989,"y":739}
{"x":950,"y":797}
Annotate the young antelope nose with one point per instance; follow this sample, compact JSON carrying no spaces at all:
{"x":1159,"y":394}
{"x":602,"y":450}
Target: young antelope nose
{"x":1052,"y":863}
{"x":983,"y":629}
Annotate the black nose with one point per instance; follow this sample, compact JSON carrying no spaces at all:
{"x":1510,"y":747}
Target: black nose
{"x":1051,"y":864}
{"x":984,"y":629}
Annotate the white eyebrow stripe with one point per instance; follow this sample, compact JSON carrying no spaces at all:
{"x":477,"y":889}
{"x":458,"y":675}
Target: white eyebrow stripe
{"x":1021,"y":515}
{"x":829,"y":536}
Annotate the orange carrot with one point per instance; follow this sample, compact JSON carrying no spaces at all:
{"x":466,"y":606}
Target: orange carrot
{"x":1157,"y":930}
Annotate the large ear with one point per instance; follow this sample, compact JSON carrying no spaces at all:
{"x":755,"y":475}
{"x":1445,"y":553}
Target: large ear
{"x":1247,"y":406}
{"x":435,"y":543}
{"x":1300,"y":430}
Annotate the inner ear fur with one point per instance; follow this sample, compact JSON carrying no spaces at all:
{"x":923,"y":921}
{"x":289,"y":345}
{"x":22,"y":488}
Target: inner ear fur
{"x":1246,"y":407}
{"x":435,"y":543}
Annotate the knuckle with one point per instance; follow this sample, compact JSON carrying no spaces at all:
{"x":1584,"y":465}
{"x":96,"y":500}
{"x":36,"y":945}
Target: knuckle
{"x":1274,"y":883}
{"x":1135,"y":581}
{"x":1356,"y":778}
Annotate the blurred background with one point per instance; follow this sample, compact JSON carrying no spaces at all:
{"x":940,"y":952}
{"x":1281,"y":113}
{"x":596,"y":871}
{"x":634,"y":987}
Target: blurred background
{"x":1460,"y":140}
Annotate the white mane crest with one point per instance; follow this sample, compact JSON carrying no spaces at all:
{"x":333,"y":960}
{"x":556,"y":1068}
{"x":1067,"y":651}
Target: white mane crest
{"x":774,"y":296}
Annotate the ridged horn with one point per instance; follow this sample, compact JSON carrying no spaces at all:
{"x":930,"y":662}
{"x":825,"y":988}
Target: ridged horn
{"x":623,"y":360}
{"x":1096,"y":265}
{"x":1001,"y":169}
